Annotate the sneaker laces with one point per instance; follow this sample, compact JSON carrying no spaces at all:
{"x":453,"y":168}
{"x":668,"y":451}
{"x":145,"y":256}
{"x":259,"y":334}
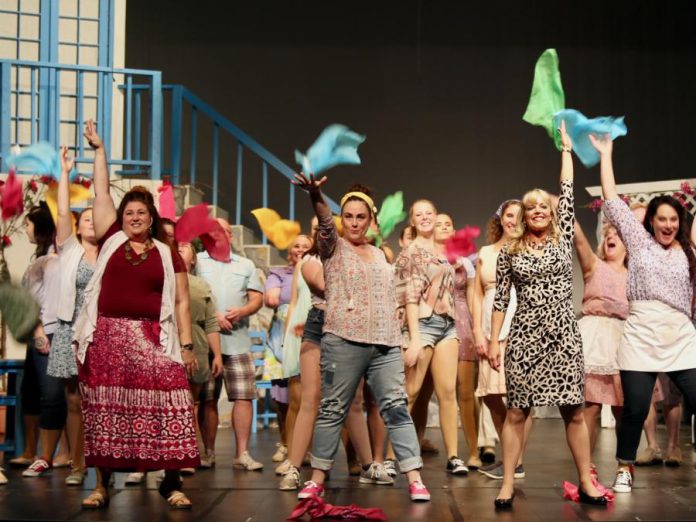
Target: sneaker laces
{"x":456,"y":461}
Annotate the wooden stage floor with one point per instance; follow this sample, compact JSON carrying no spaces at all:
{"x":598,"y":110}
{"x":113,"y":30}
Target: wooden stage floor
{"x":223,"y":494}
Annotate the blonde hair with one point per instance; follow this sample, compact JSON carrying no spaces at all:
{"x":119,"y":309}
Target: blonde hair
{"x":414,"y":232}
{"x":519,"y":235}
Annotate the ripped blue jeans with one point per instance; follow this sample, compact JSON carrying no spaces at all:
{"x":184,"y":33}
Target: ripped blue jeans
{"x":343,"y":364}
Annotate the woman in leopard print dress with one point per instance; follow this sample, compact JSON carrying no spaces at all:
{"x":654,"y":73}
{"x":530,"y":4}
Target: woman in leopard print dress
{"x":543,"y":358}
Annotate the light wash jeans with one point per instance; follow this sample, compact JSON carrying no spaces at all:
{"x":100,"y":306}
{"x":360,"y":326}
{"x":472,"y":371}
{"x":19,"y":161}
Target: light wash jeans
{"x":343,"y":364}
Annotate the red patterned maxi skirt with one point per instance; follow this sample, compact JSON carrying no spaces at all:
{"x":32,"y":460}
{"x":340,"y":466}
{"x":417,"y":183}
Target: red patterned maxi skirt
{"x":136,"y":404}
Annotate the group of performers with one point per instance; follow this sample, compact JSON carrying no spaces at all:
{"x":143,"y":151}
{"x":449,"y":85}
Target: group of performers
{"x":138,"y":333}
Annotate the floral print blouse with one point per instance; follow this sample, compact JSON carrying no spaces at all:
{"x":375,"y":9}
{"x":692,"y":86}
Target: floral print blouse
{"x":360,"y":294}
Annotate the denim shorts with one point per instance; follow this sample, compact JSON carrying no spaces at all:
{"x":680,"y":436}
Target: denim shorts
{"x":436,"y":328}
{"x":314,"y":326}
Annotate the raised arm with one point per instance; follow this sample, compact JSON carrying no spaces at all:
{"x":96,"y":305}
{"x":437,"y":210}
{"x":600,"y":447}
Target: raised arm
{"x":566,"y":156}
{"x":104,"y":209}
{"x":327,"y":236}
{"x":605,"y":147}
{"x":64,"y":227}
{"x":587,"y":258}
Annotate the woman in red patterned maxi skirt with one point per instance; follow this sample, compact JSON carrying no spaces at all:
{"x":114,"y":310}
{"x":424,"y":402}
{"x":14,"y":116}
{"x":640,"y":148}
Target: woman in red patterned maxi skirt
{"x":133,"y":338}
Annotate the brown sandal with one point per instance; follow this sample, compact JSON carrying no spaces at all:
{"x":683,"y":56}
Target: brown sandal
{"x":95,"y":500}
{"x":178,"y":500}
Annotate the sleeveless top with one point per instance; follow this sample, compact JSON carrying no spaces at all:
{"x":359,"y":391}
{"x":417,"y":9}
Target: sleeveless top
{"x":605,"y":292}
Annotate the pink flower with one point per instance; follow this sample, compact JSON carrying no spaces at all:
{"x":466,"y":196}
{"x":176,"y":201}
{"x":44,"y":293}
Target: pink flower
{"x":6,"y":241}
{"x":687,"y":189}
{"x":33,"y":186}
{"x":86,"y":183}
{"x":595,"y":205}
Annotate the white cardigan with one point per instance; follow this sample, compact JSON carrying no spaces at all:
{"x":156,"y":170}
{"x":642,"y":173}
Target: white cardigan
{"x":69,"y":254}
{"x":86,"y":322}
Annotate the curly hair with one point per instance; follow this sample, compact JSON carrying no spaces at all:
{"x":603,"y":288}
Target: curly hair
{"x":519,"y":235}
{"x":494,"y":227}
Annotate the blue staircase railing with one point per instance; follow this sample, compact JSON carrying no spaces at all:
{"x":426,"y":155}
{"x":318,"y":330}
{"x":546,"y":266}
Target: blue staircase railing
{"x":180,"y":100}
{"x":37,"y":103}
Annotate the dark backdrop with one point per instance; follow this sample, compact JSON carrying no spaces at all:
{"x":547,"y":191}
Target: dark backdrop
{"x":439,"y":88}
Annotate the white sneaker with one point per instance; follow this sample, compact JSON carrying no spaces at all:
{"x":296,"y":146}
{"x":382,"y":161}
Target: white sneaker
{"x":390,"y":466}
{"x":283,"y":467}
{"x":376,"y":474}
{"x":133,"y":479}
{"x":623,"y":482}
{"x":3,"y":478}
{"x":281,"y":453}
{"x":245,"y":461}
{"x":290,"y":480}
{"x":38,"y":468}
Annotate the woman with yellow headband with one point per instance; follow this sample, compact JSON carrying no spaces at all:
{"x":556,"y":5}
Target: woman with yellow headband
{"x":361,"y":338}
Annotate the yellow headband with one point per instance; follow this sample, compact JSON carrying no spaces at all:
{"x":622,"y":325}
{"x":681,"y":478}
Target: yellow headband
{"x":360,"y":195}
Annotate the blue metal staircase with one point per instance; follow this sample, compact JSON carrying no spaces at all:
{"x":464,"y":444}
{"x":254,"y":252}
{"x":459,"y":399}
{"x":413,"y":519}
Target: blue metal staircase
{"x":33,"y":100}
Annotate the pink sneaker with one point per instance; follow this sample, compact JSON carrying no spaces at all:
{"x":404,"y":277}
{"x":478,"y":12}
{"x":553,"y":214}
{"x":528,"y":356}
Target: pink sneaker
{"x":310,"y":489}
{"x":418,"y":492}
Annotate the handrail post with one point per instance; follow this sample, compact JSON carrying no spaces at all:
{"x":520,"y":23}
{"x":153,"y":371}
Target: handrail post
{"x":240,"y":164}
{"x":129,"y":116}
{"x":156,"y":127}
{"x":194,"y":137}
{"x":264,"y":192}
{"x":291,"y":213}
{"x":175,"y":134}
{"x":5,"y":111}
{"x":216,"y":156}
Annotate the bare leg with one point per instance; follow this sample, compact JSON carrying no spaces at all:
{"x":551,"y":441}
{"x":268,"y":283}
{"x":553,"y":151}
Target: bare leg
{"x":295,"y":388}
{"x":673,"y":415}
{"x":592,"y":412}
{"x":63,"y":455}
{"x":650,"y":427}
{"x":282,"y":413}
{"x":511,"y":438}
{"x":468,"y":404}
{"x":419,"y":412}
{"x":241,"y":422}
{"x":579,"y":444}
{"x":309,"y":404}
{"x":31,"y":436}
{"x":49,"y":442}
{"x":209,"y":426}
{"x":444,"y":369}
{"x":74,"y":426}
{"x":498,"y":411}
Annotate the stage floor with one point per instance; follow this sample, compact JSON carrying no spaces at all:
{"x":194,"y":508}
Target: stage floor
{"x":223,"y":494}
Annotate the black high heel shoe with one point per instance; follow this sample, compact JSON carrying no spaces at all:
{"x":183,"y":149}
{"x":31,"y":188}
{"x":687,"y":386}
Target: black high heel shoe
{"x":504,"y":503}
{"x":593,"y":501}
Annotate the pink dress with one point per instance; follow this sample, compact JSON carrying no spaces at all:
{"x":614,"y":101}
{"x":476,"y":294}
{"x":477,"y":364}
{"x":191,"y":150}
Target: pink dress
{"x":604,"y":308}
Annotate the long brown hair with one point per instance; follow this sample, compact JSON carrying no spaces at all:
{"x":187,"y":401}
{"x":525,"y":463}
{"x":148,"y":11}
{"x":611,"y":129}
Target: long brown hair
{"x":494,"y":228}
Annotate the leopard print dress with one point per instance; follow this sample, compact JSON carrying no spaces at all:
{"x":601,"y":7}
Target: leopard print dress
{"x":544,"y":363}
